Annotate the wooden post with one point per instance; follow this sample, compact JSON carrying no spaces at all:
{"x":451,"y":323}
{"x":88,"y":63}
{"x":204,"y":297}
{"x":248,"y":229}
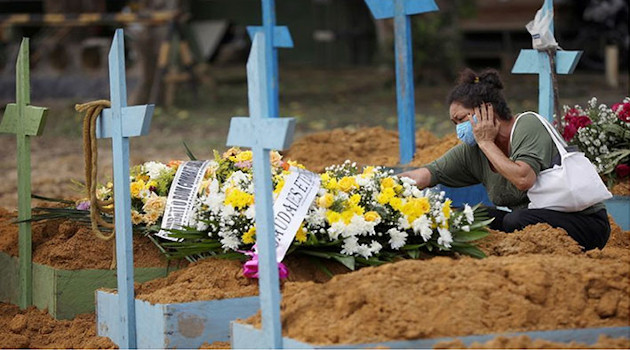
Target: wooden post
{"x":401,"y":11}
{"x":24,"y":121}
{"x":537,"y":62}
{"x":120,"y":123}
{"x":612,"y":65}
{"x":255,"y":132}
{"x":275,"y":37}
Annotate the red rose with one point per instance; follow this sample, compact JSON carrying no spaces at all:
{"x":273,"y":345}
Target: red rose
{"x":622,"y":170}
{"x":623,"y":111}
{"x":573,"y":122}
{"x":569,"y":132}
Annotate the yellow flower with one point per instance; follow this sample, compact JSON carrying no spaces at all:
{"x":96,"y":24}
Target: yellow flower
{"x":354,"y":199}
{"x":347,"y":183}
{"x":446,"y":208}
{"x":231,"y":152}
{"x":279,"y":186}
{"x":242,"y":157}
{"x":326,"y":200}
{"x":372,"y":216}
{"x":150,"y":184}
{"x":237,"y":198}
{"x":155,"y":204}
{"x":368,"y":170}
{"x":331,"y":185}
{"x":248,"y":237}
{"x":324,"y":177}
{"x":136,"y":218}
{"x":110,"y":185}
{"x":151,"y":218}
{"x":356,"y":209}
{"x":415,"y":207}
{"x":296,"y":164}
{"x":396,"y":203}
{"x":387,"y":182}
{"x":332,"y":216}
{"x":386,"y":195}
{"x":347,"y":216}
{"x":136,"y":187}
{"x":300,"y":236}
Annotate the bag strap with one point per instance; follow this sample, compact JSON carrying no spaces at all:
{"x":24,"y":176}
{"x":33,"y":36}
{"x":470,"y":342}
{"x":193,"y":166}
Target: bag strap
{"x":557,"y":140}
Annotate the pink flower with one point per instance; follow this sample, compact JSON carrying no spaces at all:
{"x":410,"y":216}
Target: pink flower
{"x":85,"y":205}
{"x":250,"y":268}
{"x":623,"y":111}
{"x":622,"y":170}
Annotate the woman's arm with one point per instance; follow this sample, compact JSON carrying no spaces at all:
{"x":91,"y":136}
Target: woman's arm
{"x":422,"y":176}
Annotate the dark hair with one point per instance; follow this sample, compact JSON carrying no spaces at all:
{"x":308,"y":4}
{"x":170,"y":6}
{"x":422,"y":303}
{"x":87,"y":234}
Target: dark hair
{"x":474,"y":89}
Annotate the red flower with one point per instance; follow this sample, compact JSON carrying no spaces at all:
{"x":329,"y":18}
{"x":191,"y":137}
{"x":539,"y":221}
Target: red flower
{"x":573,"y":122}
{"x":623,"y":111}
{"x":622,"y":170}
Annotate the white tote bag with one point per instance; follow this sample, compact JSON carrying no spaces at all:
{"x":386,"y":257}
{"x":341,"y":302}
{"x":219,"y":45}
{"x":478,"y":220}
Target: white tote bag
{"x":572,"y":186}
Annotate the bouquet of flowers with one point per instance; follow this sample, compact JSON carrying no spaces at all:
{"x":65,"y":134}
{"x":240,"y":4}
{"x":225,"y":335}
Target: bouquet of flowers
{"x":603,"y":134}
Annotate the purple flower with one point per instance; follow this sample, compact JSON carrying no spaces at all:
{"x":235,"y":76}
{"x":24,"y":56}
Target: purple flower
{"x":85,"y":205}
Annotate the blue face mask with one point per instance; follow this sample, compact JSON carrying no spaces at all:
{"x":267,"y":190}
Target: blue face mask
{"x":465,"y":132}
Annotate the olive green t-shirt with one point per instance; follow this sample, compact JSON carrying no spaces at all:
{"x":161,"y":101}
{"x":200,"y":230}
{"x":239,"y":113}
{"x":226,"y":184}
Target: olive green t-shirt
{"x":465,"y":165}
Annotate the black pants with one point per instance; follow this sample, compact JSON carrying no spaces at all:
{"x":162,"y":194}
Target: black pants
{"x":590,"y":231}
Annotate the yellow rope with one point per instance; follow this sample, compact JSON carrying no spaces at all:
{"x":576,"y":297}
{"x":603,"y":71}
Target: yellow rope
{"x":90,"y":150}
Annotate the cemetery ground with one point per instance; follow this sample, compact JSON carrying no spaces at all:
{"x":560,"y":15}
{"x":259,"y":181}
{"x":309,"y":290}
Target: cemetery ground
{"x":519,"y":272}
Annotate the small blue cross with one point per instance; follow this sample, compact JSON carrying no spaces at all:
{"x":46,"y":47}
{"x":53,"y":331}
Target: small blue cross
{"x":262,"y":132}
{"x":537,"y":62}
{"x":120,"y":123}
{"x":401,"y":11}
{"x":275,"y":36}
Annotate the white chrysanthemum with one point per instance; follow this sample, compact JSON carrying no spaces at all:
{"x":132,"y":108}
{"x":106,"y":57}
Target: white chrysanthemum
{"x":154,"y":169}
{"x":468,"y":212}
{"x":398,"y":238}
{"x":227,"y":212}
{"x":201,"y":226}
{"x":250,"y":212}
{"x":336,"y":229}
{"x":403,"y":223}
{"x":350,"y":246}
{"x":316,"y":217}
{"x":375,"y":247}
{"x":364,"y":250}
{"x":362,"y":181}
{"x":230,"y":241}
{"x":214,"y":202}
{"x":446,"y":238}
{"x":422,"y":225}
{"x":407,"y":180}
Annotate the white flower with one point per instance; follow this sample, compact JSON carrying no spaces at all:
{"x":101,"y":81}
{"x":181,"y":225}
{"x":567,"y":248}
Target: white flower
{"x":375,"y":247}
{"x":335,"y":229}
{"x":407,"y":180}
{"x":466,"y":228}
{"x":403,"y":223}
{"x":350,"y":246}
{"x":201,"y":226}
{"x":250,"y":212}
{"x":445,"y":238}
{"x":422,"y":225}
{"x":398,"y":238}
{"x":154,"y":169}
{"x":468,"y":212}
{"x":364,"y":251}
{"x":230,"y":242}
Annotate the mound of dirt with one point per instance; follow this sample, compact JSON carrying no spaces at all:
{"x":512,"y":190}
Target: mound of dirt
{"x":67,"y":245}
{"x":32,"y":328}
{"x":525,"y":342}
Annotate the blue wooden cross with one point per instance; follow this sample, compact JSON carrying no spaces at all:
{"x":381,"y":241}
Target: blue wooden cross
{"x":275,"y":36}
{"x":24,"y":120}
{"x":537,"y":62}
{"x":120,"y":123}
{"x":401,"y":11}
{"x":263,"y":133}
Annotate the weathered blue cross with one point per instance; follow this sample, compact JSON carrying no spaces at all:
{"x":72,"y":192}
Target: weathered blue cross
{"x":263,"y":133}
{"x":275,"y":36}
{"x":537,"y":62}
{"x":120,"y":123}
{"x":401,"y":11}
{"x":24,"y":120}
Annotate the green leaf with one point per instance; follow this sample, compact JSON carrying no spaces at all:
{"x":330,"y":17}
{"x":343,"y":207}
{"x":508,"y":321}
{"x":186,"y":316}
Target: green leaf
{"x":480,"y":224}
{"x":414,"y":254}
{"x":347,"y":261}
{"x":189,"y":153}
{"x":413,"y":246}
{"x":464,"y":236}
{"x":468,"y":249}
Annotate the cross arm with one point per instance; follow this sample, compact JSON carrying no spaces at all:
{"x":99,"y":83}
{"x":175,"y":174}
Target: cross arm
{"x":136,"y":121}
{"x":385,"y":8}
{"x":281,"y":35}
{"x":528,"y":62}
{"x":268,"y":133}
{"x":34,"y":120}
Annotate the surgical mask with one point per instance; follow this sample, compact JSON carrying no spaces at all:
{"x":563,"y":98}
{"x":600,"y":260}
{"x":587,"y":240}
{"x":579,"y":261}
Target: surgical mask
{"x":465,"y":132}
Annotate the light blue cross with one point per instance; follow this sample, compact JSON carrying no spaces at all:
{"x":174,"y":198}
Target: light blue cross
{"x":276,"y":36}
{"x":262,"y":133}
{"x":401,"y":11}
{"x":120,"y":123}
{"x":537,"y":62}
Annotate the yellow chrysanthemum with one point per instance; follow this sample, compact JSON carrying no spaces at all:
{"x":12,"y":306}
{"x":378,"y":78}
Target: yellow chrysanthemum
{"x":135,"y":188}
{"x":279,"y":186}
{"x":326,"y":200}
{"x":386,"y":195}
{"x":248,"y":237}
{"x":388,"y":182}
{"x":357,"y":209}
{"x":396,"y":203}
{"x":300,"y":236}
{"x":446,"y":208}
{"x":242,"y":157}
{"x":296,"y":164}
{"x":415,"y":207}
{"x":347,"y":183}
{"x":371,"y":216}
{"x":332,"y":216}
{"x":354,"y":199}
{"x":331,"y":185}
{"x":347,"y":216}
{"x":325,"y":177}
{"x":150,"y":184}
{"x":368,"y":170}
{"x":237,"y":198}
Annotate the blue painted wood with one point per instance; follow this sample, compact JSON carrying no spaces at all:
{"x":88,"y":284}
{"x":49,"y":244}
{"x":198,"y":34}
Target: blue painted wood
{"x":177,"y":325}
{"x":245,"y":336}
{"x":123,"y":122}
{"x":470,"y":195}
{"x":619,"y":208}
{"x":281,"y":35}
{"x":401,"y":10}
{"x":262,"y":134}
{"x":534,"y":62}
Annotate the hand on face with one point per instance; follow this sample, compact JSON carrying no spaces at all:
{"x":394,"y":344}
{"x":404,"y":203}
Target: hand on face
{"x":486,"y":127}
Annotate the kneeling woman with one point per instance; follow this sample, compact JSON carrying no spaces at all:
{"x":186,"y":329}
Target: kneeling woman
{"x":506,"y":157}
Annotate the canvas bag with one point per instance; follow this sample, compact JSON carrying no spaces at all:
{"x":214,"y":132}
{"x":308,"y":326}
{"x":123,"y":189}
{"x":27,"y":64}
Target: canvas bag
{"x":572,"y":186}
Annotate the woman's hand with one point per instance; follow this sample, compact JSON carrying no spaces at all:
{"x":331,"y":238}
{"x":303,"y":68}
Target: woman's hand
{"x":422,"y":177}
{"x":486,"y":128}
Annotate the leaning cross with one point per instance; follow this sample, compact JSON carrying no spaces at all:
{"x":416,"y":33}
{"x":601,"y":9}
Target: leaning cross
{"x":120,"y":123}
{"x":263,"y":133}
{"x":24,"y":120}
{"x":401,"y":11}
{"x":537,"y":62}
{"x":275,"y":36}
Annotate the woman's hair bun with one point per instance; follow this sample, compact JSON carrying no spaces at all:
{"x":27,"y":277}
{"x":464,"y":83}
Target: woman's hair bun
{"x":487,"y":76}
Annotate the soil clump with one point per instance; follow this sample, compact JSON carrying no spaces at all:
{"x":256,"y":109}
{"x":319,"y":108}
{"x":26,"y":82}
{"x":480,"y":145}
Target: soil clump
{"x":33,"y":328}
{"x":65,"y":244}
{"x":525,"y":342}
